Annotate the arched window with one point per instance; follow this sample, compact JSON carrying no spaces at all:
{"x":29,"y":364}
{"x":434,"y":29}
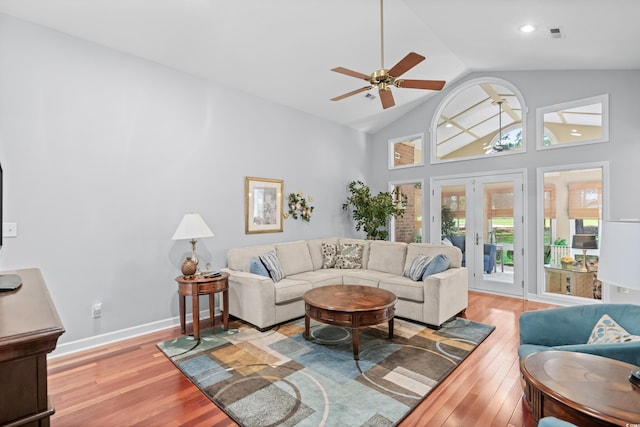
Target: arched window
{"x":482,"y":117}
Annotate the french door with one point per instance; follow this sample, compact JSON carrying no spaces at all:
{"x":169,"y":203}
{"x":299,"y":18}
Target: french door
{"x":483,"y":215}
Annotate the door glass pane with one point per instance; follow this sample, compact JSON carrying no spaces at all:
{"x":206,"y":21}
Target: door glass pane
{"x":573,"y":207}
{"x":498,"y":232}
{"x":408,"y":228}
{"x":453,"y":203}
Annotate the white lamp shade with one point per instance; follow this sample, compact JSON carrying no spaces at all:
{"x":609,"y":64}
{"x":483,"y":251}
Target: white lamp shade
{"x":619,"y":248}
{"x":192,"y":226}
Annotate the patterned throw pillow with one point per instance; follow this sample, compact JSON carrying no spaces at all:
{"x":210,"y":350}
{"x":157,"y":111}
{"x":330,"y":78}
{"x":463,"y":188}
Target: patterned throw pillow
{"x":349,"y":255}
{"x":417,"y":267}
{"x":438,"y":264}
{"x":270,"y":260}
{"x":329,"y":255}
{"x":257,"y":267}
{"x":607,"y":331}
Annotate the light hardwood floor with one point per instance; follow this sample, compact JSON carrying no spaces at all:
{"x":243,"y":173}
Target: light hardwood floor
{"x":131,"y":383}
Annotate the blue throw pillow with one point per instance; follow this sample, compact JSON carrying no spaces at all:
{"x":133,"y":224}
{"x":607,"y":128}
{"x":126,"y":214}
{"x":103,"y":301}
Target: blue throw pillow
{"x":438,"y":264}
{"x":257,"y":267}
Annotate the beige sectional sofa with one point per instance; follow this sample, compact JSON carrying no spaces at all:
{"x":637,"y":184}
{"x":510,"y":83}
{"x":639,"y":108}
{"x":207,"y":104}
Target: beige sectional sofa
{"x":263,"y":303}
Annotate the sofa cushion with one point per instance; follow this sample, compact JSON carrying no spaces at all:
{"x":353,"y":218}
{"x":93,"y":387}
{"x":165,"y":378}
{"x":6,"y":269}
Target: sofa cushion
{"x":240,"y":258}
{"x":349,"y":255}
{"x":294,"y":257}
{"x":257,"y":267}
{"x":315,"y":250}
{"x":323,"y":277}
{"x":607,"y":331}
{"x":289,"y":289}
{"x":364,"y":277}
{"x":417,"y":267}
{"x":329,"y":255}
{"x":404,"y":288}
{"x":271,"y":262}
{"x":438,"y":264}
{"x":388,"y":257}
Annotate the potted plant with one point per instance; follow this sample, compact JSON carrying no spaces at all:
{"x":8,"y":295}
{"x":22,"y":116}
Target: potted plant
{"x":372,"y":212}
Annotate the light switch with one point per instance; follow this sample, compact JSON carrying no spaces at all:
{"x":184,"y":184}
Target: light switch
{"x":9,"y":229}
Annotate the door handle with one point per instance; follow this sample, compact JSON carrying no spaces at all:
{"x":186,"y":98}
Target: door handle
{"x":477,"y":239}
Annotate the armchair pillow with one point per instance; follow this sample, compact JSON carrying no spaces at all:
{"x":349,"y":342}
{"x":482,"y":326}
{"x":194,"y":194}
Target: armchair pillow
{"x":607,"y":331}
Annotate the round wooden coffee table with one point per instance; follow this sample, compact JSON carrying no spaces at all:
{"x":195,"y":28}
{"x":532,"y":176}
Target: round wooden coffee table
{"x":580,"y":388}
{"x":349,"y":305}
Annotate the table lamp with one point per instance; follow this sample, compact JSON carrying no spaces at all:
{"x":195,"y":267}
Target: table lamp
{"x":618,"y":264}
{"x":192,"y":227}
{"x":584,"y":242}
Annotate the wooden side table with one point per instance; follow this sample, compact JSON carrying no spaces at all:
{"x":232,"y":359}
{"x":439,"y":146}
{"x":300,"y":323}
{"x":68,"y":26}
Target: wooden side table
{"x":203,"y":286}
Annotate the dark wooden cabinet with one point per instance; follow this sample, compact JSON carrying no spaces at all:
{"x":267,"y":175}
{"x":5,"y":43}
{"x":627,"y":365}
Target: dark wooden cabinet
{"x":29,"y":329}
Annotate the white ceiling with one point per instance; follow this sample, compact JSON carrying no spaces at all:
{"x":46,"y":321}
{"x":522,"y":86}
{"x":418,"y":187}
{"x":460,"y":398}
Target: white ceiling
{"x":282,"y":50}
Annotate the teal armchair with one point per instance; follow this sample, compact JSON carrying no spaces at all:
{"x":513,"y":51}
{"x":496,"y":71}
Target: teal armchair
{"x":569,"y":329}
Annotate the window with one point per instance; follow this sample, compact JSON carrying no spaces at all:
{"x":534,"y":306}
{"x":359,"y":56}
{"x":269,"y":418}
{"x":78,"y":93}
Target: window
{"x":406,"y":152}
{"x":408,"y":228}
{"x":571,"y":201}
{"x":585,"y":121}
{"x":482,"y":117}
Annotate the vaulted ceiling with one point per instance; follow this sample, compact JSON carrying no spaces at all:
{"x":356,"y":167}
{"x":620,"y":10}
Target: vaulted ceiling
{"x":283,"y":50}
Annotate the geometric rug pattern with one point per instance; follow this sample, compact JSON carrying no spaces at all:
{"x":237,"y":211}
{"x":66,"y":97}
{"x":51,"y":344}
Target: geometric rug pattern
{"x":277,"y":378}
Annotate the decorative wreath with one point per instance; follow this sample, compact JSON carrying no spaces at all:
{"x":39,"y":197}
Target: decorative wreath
{"x":298,"y":206}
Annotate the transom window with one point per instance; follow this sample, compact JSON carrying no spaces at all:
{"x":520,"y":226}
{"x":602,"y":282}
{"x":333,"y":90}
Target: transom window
{"x":482,"y":117}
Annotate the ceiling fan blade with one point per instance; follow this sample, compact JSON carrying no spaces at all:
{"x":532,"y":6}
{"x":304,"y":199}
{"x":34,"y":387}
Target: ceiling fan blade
{"x":421,"y":84}
{"x":386,"y":97}
{"x":355,"y":92}
{"x":408,"y":62}
{"x":351,"y":73}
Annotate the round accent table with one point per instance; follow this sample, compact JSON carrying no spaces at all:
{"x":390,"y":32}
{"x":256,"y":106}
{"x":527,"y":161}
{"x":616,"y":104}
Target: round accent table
{"x":580,"y":388}
{"x":197,"y":286}
{"x":349,"y":305}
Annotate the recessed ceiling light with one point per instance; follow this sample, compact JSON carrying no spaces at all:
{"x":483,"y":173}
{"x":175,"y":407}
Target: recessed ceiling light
{"x":528,"y":28}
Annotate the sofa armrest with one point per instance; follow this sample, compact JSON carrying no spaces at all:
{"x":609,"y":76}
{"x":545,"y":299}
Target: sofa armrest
{"x":628,"y":352}
{"x":252,"y":298}
{"x":445,"y":295}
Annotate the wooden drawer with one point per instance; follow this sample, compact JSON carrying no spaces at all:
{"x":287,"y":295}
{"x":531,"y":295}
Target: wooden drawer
{"x":376,"y":317}
{"x":328,"y":316}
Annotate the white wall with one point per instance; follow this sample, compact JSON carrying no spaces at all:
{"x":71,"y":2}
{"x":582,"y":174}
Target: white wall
{"x":103,"y":153}
{"x":542,"y":88}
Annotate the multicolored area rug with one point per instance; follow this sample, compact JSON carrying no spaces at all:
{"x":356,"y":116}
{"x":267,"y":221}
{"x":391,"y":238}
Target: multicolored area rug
{"x":277,"y":378}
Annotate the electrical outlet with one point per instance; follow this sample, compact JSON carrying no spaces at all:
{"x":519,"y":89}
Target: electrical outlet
{"x":96,"y":310}
{"x":9,"y":229}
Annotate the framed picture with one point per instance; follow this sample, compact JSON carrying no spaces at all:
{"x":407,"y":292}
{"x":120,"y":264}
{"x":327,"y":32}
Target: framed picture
{"x":263,"y":205}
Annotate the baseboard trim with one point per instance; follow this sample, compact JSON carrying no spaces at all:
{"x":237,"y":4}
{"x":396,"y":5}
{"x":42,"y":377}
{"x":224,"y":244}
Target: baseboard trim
{"x":71,"y":347}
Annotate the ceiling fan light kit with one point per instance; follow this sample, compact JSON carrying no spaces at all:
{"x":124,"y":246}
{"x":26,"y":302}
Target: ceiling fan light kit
{"x":384,"y":78}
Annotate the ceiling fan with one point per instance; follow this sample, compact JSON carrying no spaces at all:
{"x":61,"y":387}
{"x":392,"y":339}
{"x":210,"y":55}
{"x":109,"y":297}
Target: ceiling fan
{"x":383,"y":79}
